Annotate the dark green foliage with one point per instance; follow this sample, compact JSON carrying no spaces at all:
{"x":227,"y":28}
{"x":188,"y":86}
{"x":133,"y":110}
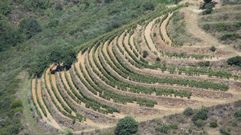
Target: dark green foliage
{"x":5,"y":7}
{"x":16,"y":104}
{"x":208,"y":8}
{"x":238,"y":114}
{"x":236,"y":61}
{"x":145,"y":54}
{"x":9,"y":35}
{"x":213,"y":124}
{"x":148,"y":6}
{"x":164,"y":128}
{"x":213,"y":49}
{"x":59,"y":6}
{"x":201,"y":114}
{"x":188,"y":111}
{"x":62,"y":55}
{"x":30,"y":27}
{"x":126,"y":126}
{"x":158,"y":59}
{"x":207,"y":1}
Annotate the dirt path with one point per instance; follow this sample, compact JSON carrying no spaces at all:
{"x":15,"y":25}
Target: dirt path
{"x":164,"y":24}
{"x":148,"y":37}
{"x":191,"y":14}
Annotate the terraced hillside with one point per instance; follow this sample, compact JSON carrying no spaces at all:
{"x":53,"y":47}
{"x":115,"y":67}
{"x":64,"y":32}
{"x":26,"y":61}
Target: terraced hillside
{"x":225,"y":23}
{"x":138,"y":72}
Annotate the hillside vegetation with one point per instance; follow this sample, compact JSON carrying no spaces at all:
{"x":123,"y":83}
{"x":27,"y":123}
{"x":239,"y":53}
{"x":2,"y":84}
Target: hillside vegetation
{"x":138,"y":71}
{"x":34,"y":31}
{"x":92,"y":67}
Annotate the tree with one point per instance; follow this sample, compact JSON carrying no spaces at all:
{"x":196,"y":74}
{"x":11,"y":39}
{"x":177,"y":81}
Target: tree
{"x":62,"y":55}
{"x":30,"y":27}
{"x":213,"y":49}
{"x":236,"y":61}
{"x":126,"y":126}
{"x":145,"y":54}
{"x":208,"y":8}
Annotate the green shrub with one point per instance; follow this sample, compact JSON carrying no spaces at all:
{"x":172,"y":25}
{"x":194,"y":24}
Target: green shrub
{"x":237,"y":114}
{"x":165,"y":128}
{"x":213,"y":124}
{"x":208,"y":8}
{"x":188,"y":111}
{"x":16,"y":104}
{"x":126,"y":126}
{"x":5,"y":7}
{"x":148,"y":6}
{"x":30,"y":27}
{"x":201,"y":114}
{"x":236,"y":61}
{"x":213,"y":49}
{"x":145,"y":54}
{"x":199,"y":117}
{"x":199,"y":123}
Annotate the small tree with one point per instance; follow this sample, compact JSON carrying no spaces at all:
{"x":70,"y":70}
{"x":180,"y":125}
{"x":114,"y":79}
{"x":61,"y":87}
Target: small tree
{"x":30,"y":27}
{"x":145,"y":54}
{"x":213,"y":49}
{"x":234,"y":61}
{"x":126,"y":126}
{"x":188,"y":111}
